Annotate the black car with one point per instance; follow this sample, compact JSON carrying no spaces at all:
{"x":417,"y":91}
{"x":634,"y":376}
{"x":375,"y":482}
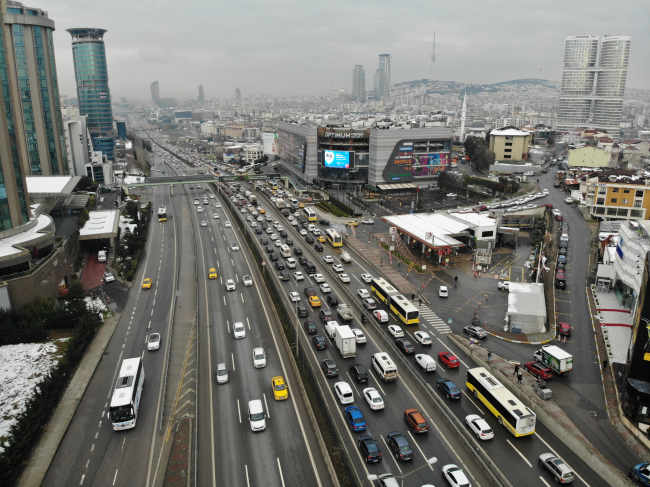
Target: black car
{"x":302,"y":260}
{"x":358,"y":373}
{"x":279,"y":265}
{"x":265,"y":241}
{"x":369,"y":449}
{"x":273,"y":256}
{"x":309,"y":239}
{"x":564,"y":244}
{"x":329,"y":367}
{"x":284,"y":276}
{"x":310,"y":327}
{"x":270,"y":248}
{"x":283,"y":234}
{"x":323,"y":221}
{"x":258,"y":231}
{"x":399,"y":445}
{"x":289,"y":241}
{"x":302,"y":311}
{"x":325,"y":315}
{"x":332,"y":300}
{"x":556,"y":185}
{"x":563,"y":251}
{"x":309,"y":291}
{"x":404,"y":345}
{"x":318,"y":246}
{"x":561,"y":265}
{"x":319,"y":342}
{"x":297,"y":251}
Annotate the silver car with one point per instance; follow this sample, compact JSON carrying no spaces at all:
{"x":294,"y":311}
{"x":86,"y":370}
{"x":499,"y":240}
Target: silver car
{"x":560,"y":470}
{"x":221,"y":375}
{"x":248,"y":280}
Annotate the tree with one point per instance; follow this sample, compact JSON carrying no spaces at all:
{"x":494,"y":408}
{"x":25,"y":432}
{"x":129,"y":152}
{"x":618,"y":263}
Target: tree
{"x":83,"y":184}
{"x":550,"y":140}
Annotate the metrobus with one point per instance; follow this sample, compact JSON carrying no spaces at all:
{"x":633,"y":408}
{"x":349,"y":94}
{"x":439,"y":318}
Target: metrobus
{"x":406,"y":311}
{"x":273,"y":185}
{"x":382,"y":289}
{"x":510,"y":411}
{"x":162,"y":214}
{"x":333,"y":237}
{"x":310,"y":214}
{"x":126,"y":397}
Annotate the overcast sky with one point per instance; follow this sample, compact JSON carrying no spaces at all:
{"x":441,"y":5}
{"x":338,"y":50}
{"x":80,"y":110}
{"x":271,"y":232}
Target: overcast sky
{"x":284,"y":47}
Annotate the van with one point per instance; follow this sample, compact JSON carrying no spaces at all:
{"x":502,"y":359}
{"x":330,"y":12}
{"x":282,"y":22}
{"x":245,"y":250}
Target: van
{"x":285,"y":251}
{"x":294,"y":201}
{"x":345,"y":258}
{"x":256,"y":415}
{"x":384,"y":366}
{"x":310,"y":268}
{"x":330,"y":328}
{"x":426,"y":362}
{"x":291,"y":262}
{"x":101,"y":256}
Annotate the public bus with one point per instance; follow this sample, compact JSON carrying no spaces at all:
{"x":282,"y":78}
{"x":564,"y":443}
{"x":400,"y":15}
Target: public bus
{"x":310,"y":214}
{"x":333,"y":237}
{"x":126,"y":397}
{"x":510,"y":411}
{"x":273,"y":185}
{"x":382,"y":289}
{"x":406,"y":311}
{"x":162,"y":214}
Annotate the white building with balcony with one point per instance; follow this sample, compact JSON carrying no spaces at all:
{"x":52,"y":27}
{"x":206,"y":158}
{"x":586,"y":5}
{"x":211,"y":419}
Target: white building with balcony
{"x":633,"y":246}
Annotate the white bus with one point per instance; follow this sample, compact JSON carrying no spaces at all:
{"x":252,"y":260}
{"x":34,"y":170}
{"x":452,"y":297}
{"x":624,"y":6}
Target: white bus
{"x":309,"y":214}
{"x":333,"y":237}
{"x":126,"y":397}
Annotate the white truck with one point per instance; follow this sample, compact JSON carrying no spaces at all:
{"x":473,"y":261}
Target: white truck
{"x":345,"y":258}
{"x":555,"y":358}
{"x":253,"y":199}
{"x":280,"y":203}
{"x":346,"y":341}
{"x":330,"y":329}
{"x":344,"y":312}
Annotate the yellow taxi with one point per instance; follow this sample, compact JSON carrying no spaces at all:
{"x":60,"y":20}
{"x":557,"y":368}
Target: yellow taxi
{"x":280,"y":390}
{"x":262,"y":211}
{"x":321,"y":239}
{"x":212,"y":274}
{"x":352,"y":223}
{"x":146,"y":284}
{"x":301,"y":205}
{"x":314,"y":301}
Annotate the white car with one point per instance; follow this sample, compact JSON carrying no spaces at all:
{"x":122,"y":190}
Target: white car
{"x":247,"y":280}
{"x":108,"y":277}
{"x":269,"y":230}
{"x":344,"y":392}
{"x":215,"y":216}
{"x":303,"y":232}
{"x":260,"y":218}
{"x":197,"y":202}
{"x":368,"y":222}
{"x":396,"y":331}
{"x":230,"y":285}
{"x":294,"y":296}
{"x":325,"y":288}
{"x":204,"y":223}
{"x":358,"y":334}
{"x":235,"y":247}
{"x":153,"y":342}
{"x":545,"y":191}
{"x":294,"y":223}
{"x":227,"y":224}
{"x":556,"y":212}
{"x":211,"y":196}
{"x":455,"y":476}
{"x":328,"y":259}
{"x":298,"y":276}
{"x":259,"y":358}
{"x":443,"y":292}
{"x":238,"y":330}
{"x":366,"y":278}
{"x":317,"y":277}
{"x":422,"y":337}
{"x":273,"y":236}
{"x":504,"y":285}
{"x":479,"y":426}
{"x":452,"y":195}
{"x":380,"y":315}
{"x":291,"y":263}
{"x":344,"y":278}
{"x":373,"y":398}
{"x":337,"y":268}
{"x":253,"y":224}
{"x":277,"y":243}
{"x":279,"y":228}
{"x":199,"y":209}
{"x":568,"y":199}
{"x":363,"y":293}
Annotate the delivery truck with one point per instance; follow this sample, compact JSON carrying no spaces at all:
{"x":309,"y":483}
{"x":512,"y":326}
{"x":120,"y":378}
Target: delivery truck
{"x":330,"y":329}
{"x":346,"y":341}
{"x":279,"y":203}
{"x":555,"y":358}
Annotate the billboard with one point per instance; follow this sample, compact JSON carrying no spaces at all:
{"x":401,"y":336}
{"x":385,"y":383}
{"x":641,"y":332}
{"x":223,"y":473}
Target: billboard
{"x":338,"y":159}
{"x":270,"y":141}
{"x":429,"y":164}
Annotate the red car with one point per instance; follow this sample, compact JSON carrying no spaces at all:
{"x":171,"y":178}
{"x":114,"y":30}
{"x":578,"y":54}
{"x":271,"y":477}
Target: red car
{"x":540,"y":371}
{"x":559,"y":274}
{"x":547,"y":205}
{"x":481,"y":208}
{"x":563,"y":329}
{"x":559,"y":217}
{"x":449,"y":359}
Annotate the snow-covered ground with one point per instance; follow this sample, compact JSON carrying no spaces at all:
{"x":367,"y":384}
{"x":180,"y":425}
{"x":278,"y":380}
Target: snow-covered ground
{"x":126,"y":223}
{"x":21,"y":368}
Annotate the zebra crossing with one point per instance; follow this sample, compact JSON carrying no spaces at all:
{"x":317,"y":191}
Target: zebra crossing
{"x":427,"y":315}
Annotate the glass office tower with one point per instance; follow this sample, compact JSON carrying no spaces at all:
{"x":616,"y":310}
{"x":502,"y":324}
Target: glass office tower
{"x":91,"y":74}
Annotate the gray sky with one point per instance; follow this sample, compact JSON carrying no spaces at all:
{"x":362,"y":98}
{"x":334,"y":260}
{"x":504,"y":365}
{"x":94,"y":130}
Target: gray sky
{"x":284,"y":47}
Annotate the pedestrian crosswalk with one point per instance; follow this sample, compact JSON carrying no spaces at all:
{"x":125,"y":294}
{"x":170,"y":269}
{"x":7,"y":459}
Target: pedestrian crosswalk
{"x":432,"y":319}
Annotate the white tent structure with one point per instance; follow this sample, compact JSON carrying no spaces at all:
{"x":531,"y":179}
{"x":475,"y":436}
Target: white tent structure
{"x":526,"y":308}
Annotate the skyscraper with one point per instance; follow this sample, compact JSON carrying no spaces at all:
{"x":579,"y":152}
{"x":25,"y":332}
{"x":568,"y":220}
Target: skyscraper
{"x":359,"y":84}
{"x":91,"y":74}
{"x":593,"y":82}
{"x":201,"y":95}
{"x":31,"y":129}
{"x":237,"y":94}
{"x":155,"y":93}
{"x":383,"y":74}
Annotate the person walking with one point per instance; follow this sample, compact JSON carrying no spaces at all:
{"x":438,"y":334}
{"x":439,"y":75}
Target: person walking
{"x":604,"y":364}
{"x":412,"y":297}
{"x":519,"y":377}
{"x":420,"y":299}
{"x":516,"y":369}
{"x":489,"y":355}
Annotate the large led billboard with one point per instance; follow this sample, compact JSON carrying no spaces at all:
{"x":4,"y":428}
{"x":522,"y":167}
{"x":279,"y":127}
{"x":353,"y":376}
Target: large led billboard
{"x":338,"y":159}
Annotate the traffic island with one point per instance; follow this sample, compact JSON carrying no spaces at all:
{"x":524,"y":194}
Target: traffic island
{"x":179,"y":465}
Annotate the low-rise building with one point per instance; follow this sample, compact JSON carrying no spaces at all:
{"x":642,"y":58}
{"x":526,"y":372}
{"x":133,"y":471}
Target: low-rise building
{"x":510,"y":144}
{"x":588,"y":156}
{"x":618,"y":194}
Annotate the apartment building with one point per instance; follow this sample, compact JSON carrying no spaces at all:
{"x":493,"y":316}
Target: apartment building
{"x":618,"y":195}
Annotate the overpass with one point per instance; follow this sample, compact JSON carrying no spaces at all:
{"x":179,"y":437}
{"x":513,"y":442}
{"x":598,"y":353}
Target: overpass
{"x":195,"y":178}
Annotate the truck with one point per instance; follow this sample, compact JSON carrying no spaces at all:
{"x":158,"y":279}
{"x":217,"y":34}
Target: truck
{"x":279,"y":203}
{"x":253,"y":199}
{"x":330,"y":328}
{"x":345,"y":258}
{"x":555,"y":358}
{"x":346,"y":341}
{"x":344,"y":312}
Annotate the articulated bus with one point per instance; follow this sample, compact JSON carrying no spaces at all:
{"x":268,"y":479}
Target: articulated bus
{"x":310,"y":214}
{"x":126,"y":397}
{"x":510,"y":411}
{"x":162,"y":214}
{"x":333,"y":238}
{"x":404,"y":309}
{"x":382,"y":289}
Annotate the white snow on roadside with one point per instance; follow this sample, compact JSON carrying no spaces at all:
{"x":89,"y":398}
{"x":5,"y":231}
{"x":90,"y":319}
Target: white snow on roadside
{"x":95,"y":303}
{"x":126,"y":223}
{"x":21,"y":368}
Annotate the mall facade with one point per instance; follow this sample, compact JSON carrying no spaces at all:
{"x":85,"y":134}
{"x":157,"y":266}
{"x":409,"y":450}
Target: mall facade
{"x":338,"y":154}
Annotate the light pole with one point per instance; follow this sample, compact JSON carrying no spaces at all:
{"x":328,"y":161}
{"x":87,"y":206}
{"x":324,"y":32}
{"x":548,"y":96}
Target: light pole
{"x":429,"y":462}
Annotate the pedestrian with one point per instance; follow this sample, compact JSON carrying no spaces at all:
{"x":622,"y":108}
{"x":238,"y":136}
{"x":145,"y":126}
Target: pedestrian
{"x":412,"y":297}
{"x":604,"y":364}
{"x":420,"y":302}
{"x":516,"y":369}
{"x":489,"y":355}
{"x":486,"y":298}
{"x":519,"y":377}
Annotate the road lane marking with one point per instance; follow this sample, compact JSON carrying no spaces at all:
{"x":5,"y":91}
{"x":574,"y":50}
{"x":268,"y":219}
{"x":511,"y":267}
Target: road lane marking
{"x":281,"y":476}
{"x":352,"y":382}
{"x":545,"y":483}
{"x":520,"y":454}
{"x":247,"y":481}
{"x":249,"y":323}
{"x":391,"y":455}
{"x":420,"y":450}
{"x":268,"y":414}
{"x":242,"y":297}
{"x":239,"y":412}
{"x":232,"y":355}
{"x":555,"y":453}
{"x":115,"y":478}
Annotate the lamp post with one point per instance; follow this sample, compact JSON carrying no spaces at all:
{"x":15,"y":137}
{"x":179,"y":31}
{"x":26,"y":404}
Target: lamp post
{"x":428,"y":463}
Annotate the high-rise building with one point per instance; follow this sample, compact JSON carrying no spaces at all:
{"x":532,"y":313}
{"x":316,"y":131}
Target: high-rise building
{"x":593,"y":82}
{"x":384,"y":76}
{"x":31,"y":129}
{"x":237,"y":94}
{"x":359,"y":84}
{"x":155,"y":93}
{"x":201,"y":95}
{"x":91,"y":74}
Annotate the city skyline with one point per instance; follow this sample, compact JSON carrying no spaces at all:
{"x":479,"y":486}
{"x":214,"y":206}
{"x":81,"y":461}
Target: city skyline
{"x":163,"y":49}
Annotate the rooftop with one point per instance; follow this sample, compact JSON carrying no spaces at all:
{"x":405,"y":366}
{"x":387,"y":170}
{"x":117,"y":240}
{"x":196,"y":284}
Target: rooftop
{"x":510,"y":132}
{"x":100,"y":224}
{"x":49,"y":186}
{"x":11,"y":246}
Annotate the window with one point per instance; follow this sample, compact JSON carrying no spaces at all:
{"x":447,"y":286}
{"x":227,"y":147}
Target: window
{"x":507,"y":150}
{"x":624,"y":201}
{"x":626,"y":191}
{"x":507,"y":156}
{"x":508,"y":144}
{"x":613,"y":200}
{"x":614,"y":190}
{"x":600,"y":201}
{"x":637,"y":203}
{"x":509,"y":137}
{"x":639,"y":193}
{"x":602,"y":190}
{"x":487,"y":234}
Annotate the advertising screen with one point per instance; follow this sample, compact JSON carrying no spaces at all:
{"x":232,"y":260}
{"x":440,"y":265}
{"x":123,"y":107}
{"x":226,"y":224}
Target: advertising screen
{"x":270,"y":143}
{"x":338,"y":159}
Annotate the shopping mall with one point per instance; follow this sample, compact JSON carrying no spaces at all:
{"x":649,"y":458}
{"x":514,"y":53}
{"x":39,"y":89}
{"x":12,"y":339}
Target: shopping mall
{"x":395,"y":156}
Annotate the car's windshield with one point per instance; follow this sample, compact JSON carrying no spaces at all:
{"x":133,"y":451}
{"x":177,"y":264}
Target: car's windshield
{"x":222,"y":372}
{"x":280,"y":387}
{"x":259,"y":356}
{"x":377,"y":399}
{"x":404,"y":448}
{"x":122,"y":414}
{"x":257,"y":417}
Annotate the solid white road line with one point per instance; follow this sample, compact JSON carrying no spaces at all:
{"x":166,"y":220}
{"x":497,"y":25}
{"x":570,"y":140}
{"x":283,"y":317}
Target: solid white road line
{"x":391,"y":455}
{"x":520,"y":454}
{"x":280,"y":469}
{"x":420,"y":450}
{"x":268,"y":414}
{"x":239,"y":411}
{"x":232,"y":355}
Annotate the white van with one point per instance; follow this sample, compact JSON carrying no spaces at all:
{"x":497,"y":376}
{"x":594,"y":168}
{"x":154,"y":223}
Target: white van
{"x":285,"y":250}
{"x":294,"y":201}
{"x":384,"y":366}
{"x":101,"y":256}
{"x":345,"y":258}
{"x":426,"y":362}
{"x":291,"y":262}
{"x":256,"y":415}
{"x":330,"y":329}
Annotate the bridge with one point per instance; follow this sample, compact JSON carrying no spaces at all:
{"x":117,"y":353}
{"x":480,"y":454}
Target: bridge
{"x":194,"y":178}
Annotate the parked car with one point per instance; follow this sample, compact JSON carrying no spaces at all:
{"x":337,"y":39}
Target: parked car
{"x":475,"y":331}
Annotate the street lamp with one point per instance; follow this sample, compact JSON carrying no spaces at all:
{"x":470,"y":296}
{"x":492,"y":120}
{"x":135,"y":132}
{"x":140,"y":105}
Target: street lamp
{"x":429,"y":462}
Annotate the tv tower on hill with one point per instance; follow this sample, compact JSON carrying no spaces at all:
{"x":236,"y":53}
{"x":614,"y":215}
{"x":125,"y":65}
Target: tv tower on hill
{"x":433,"y":52}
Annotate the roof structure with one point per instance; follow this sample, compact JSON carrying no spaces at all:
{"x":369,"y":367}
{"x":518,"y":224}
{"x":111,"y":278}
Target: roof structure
{"x":14,"y":245}
{"x":100,"y":224}
{"x":50,"y":186}
{"x":513,"y":132}
{"x":526,"y":307}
